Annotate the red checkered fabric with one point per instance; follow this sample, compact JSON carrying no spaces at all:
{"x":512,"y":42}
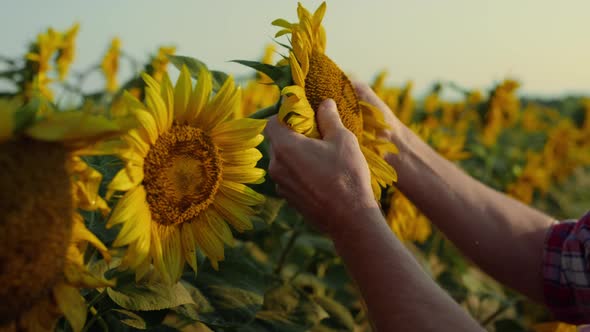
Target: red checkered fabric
{"x":566,"y":270}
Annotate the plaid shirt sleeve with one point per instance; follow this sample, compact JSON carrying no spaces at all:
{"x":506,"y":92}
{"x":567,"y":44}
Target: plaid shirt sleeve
{"x":566,"y":270}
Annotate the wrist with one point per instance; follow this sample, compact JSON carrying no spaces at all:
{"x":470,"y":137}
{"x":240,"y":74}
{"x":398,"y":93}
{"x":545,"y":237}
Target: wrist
{"x":357,"y":223}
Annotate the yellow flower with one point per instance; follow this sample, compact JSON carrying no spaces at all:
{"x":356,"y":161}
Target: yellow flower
{"x":566,"y":149}
{"x":42,"y":236}
{"x":185,"y":175}
{"x":431,"y":102}
{"x":67,"y":51}
{"x":554,"y":327}
{"x":316,"y":77}
{"x":110,"y":64}
{"x":535,"y":176}
{"x":399,"y":100}
{"x":503,"y":111}
{"x":406,"y":221}
{"x":160,"y":62}
{"x":450,"y":146}
{"x":44,"y":49}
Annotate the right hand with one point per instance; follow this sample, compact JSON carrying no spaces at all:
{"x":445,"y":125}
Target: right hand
{"x":327,"y":179}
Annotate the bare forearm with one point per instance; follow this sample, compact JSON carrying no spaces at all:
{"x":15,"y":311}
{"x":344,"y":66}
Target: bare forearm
{"x":500,"y":234}
{"x":398,"y":294}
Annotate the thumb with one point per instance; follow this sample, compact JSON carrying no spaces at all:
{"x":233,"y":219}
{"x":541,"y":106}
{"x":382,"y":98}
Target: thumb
{"x":329,"y":122}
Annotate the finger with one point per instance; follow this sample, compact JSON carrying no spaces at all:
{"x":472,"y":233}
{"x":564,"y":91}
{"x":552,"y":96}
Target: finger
{"x":365,"y":93}
{"x":329,"y":123}
{"x":279,"y":133}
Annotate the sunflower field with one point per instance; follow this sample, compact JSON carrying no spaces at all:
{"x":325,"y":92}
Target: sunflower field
{"x":146,"y":205}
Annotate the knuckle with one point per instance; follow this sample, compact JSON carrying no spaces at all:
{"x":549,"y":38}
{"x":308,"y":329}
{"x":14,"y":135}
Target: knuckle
{"x":346,"y":137}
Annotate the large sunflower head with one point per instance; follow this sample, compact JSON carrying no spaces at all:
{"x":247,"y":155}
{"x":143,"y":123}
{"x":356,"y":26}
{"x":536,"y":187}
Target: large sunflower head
{"x":315,"y":73}
{"x":186,"y":175}
{"x":44,"y":182}
{"x":314,"y":77}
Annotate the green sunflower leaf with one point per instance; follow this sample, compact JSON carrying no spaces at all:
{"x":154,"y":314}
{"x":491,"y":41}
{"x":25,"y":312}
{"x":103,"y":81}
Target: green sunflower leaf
{"x":194,"y":67}
{"x":132,"y":319}
{"x":149,"y":296}
{"x":281,"y":75}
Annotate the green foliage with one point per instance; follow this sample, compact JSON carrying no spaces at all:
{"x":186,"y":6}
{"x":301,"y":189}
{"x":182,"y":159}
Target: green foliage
{"x":195,"y":66}
{"x":281,"y":75}
{"x":149,"y":296}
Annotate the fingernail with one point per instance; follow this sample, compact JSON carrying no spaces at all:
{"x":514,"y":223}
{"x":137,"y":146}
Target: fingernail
{"x":327,"y":104}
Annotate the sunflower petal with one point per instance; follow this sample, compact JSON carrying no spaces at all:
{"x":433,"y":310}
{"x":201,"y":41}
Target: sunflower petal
{"x":134,"y":228}
{"x":241,"y":157}
{"x":279,"y":22}
{"x":157,"y":108}
{"x":126,"y":179}
{"x":208,"y":241}
{"x":156,"y":251}
{"x":220,"y":228}
{"x":128,"y":206}
{"x":296,"y":71}
{"x":182,"y":92}
{"x":199,"y":98}
{"x":241,"y":193}
{"x":81,"y":234}
{"x":72,"y":304}
{"x":150,"y":82}
{"x":244,"y":175}
{"x":226,"y":102}
{"x":240,"y":146}
{"x":318,"y":16}
{"x":147,"y":122}
{"x":167,"y":92}
{"x":136,"y":142}
{"x":237,"y":130}
{"x":237,"y":215}
{"x":172,"y":252}
{"x":132,"y":102}
{"x":189,"y":247}
{"x":282,"y":32}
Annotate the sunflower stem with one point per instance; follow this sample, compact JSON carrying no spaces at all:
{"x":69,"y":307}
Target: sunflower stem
{"x":266,"y":112}
{"x":97,"y":299}
{"x":287,"y":250}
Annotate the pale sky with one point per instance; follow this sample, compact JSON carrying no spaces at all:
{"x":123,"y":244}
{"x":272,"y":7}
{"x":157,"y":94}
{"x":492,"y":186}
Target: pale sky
{"x":545,"y":44}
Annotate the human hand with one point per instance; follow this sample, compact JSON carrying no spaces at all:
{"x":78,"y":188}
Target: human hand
{"x":325,"y":179}
{"x":365,"y":93}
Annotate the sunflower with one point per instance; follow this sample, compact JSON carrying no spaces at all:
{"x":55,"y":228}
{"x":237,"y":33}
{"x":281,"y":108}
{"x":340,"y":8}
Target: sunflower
{"x":43,"y":237}
{"x":67,"y":51}
{"x":110,"y":64}
{"x":316,"y":77}
{"x":160,"y":62}
{"x":185,"y":175}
